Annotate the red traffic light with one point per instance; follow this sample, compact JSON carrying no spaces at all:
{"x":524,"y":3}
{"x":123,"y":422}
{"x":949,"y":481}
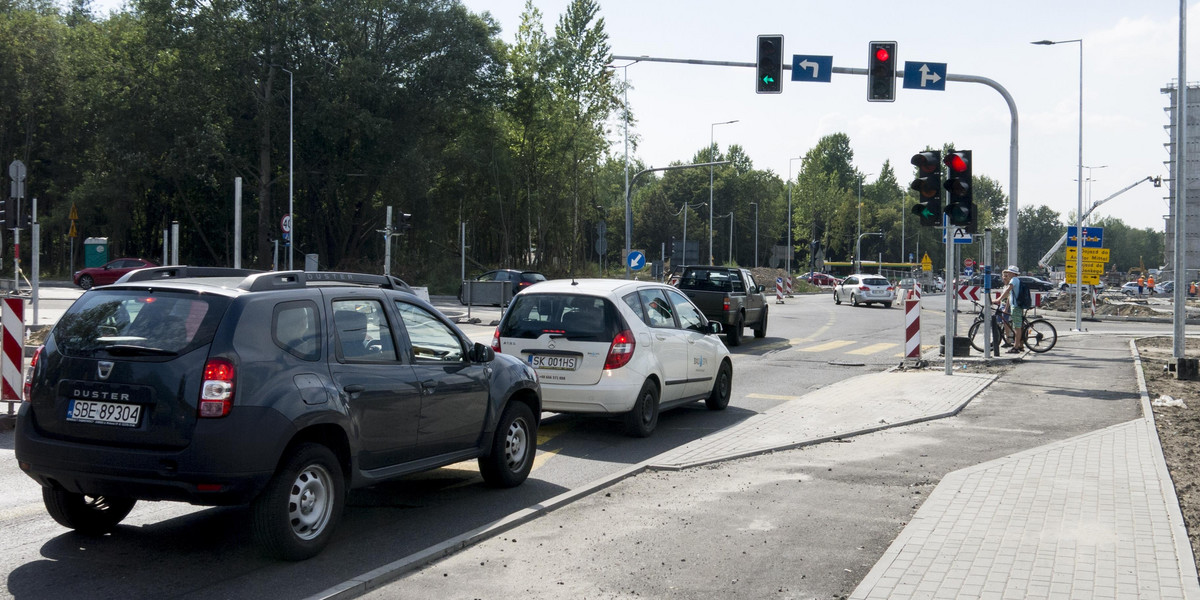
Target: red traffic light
{"x":927,"y":162}
{"x":881,"y":54}
{"x":957,"y":162}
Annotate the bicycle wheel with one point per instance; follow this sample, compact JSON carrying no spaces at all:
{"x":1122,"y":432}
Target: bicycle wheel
{"x":1040,"y":335}
{"x":976,"y":335}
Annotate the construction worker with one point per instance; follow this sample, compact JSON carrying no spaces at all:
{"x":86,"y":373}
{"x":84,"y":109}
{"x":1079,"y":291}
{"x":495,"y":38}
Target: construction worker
{"x":1150,"y":284}
{"x":1192,"y":289}
{"x":1141,"y":284}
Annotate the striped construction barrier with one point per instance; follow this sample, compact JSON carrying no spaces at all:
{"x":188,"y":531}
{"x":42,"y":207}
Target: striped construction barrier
{"x":778,"y":290}
{"x":12,"y":314}
{"x":912,"y":324}
{"x":789,"y":286}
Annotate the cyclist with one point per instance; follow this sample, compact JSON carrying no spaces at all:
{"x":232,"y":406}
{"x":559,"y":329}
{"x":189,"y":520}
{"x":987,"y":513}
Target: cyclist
{"x":1012,"y":288}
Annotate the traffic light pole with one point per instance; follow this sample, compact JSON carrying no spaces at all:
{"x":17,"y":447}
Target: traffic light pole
{"x":1008,"y":99}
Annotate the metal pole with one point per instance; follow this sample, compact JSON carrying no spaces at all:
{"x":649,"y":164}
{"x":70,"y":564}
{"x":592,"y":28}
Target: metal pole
{"x":987,"y":288}
{"x":1180,"y":189}
{"x":755,"y":234}
{"x":291,"y":172}
{"x":1079,"y":209}
{"x":711,"y":229}
{"x":237,"y":222}
{"x":387,"y":244}
{"x":731,"y":237}
{"x":35,"y":243}
{"x":948,"y":345}
{"x":790,"y":242}
{"x":174,"y":242}
{"x":685,"y":212}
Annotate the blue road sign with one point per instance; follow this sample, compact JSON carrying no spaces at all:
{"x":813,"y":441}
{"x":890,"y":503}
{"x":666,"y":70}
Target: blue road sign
{"x":924,"y":76}
{"x":1093,"y":237}
{"x":636,"y":260}
{"x":806,"y":67}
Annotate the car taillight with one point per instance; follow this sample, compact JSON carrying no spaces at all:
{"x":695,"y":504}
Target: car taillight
{"x":496,"y":340}
{"x":863,"y":288}
{"x":27,"y":387}
{"x":216,"y":392}
{"x":621,"y":350}
{"x":725,"y":303}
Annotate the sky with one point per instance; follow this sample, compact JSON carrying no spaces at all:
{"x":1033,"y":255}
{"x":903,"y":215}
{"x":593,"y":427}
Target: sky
{"x":1130,"y":51}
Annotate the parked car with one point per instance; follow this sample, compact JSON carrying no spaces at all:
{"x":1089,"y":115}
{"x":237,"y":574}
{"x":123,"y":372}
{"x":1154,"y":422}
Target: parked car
{"x":1165,"y":287}
{"x":519,"y":280}
{"x":865,"y":289}
{"x":280,"y":390}
{"x":819,"y":278}
{"x":730,"y":296}
{"x":1035,"y":284}
{"x":1070,"y":287}
{"x":1130,"y":288}
{"x":617,"y":347}
{"x":109,"y":272}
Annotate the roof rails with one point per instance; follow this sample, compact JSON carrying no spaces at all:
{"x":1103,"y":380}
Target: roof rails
{"x":257,"y":281}
{"x":182,"y":271}
{"x":281,"y":280}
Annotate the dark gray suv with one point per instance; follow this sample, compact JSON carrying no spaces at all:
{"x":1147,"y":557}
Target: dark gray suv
{"x":280,"y":389}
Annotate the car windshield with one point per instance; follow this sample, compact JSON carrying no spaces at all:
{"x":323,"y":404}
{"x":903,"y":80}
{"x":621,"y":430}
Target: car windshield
{"x":138,"y":323}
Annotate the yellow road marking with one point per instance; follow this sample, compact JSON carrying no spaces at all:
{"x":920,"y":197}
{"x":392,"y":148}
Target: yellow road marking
{"x":827,"y":346}
{"x":873,"y":348}
{"x":470,"y":465}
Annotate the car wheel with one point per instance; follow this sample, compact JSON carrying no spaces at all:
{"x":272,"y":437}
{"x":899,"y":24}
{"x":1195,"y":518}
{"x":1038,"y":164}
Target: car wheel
{"x":760,"y":330}
{"x":86,"y":282}
{"x":294,"y":517}
{"x":513,"y":447}
{"x":836,"y":299}
{"x":92,"y":515}
{"x":734,"y":335}
{"x":853,"y":299}
{"x":887,"y":304}
{"x":718,"y":398}
{"x":641,"y":421}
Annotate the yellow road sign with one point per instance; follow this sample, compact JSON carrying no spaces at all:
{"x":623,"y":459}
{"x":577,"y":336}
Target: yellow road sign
{"x":74,"y":214}
{"x":926,"y":264}
{"x":1089,"y":254}
{"x":1089,"y":268}
{"x":73,"y":233}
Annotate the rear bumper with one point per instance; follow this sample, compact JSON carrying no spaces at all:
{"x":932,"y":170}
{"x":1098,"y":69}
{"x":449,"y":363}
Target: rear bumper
{"x":612,"y":397}
{"x":228,"y":462}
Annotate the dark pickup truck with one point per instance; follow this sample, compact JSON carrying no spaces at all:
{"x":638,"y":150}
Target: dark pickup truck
{"x":729,"y":296}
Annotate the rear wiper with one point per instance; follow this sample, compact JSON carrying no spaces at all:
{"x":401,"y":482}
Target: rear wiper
{"x":131,"y":350}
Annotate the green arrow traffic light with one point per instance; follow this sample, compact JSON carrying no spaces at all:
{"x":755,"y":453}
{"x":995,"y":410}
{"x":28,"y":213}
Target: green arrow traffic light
{"x":768,"y":80}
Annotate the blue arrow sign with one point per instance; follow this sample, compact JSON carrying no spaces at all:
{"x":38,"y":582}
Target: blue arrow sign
{"x":806,"y":67}
{"x":925,"y":76}
{"x":636,"y":260}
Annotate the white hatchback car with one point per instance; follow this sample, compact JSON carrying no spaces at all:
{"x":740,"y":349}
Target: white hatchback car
{"x":611,"y":346}
{"x":865,"y":289}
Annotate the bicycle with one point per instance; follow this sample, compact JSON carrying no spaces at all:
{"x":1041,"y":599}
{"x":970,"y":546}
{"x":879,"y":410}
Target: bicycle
{"x":1040,"y":334}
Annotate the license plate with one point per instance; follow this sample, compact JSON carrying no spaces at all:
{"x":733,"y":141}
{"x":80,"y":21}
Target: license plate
{"x":878,"y":292}
{"x":555,"y":363}
{"x":104,"y":413}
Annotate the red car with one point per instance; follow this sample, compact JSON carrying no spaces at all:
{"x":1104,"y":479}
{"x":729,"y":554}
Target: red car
{"x":820,"y":279}
{"x":93,"y":276}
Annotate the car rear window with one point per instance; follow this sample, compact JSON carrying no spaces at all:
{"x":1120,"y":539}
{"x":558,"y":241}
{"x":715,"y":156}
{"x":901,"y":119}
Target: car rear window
{"x":532,"y":277}
{"x":876,"y":281}
{"x":575,"y":316}
{"x":138,"y":323}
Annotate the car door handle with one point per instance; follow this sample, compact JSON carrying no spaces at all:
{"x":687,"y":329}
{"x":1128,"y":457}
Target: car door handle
{"x":660,"y":336}
{"x":428,"y":386}
{"x":354,"y":388}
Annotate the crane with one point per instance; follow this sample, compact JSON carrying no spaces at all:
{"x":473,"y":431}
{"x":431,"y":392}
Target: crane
{"x":1044,"y":261}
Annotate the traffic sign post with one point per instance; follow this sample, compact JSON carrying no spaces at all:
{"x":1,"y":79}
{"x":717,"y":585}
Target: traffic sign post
{"x":636,"y":261}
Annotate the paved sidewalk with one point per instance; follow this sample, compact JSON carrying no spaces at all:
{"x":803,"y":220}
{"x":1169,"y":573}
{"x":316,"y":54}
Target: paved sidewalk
{"x":1094,"y":516}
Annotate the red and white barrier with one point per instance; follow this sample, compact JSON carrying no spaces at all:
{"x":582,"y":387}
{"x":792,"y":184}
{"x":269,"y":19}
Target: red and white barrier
{"x":13,"y":316}
{"x":975,"y":292}
{"x":789,"y":286}
{"x":778,"y":290}
{"x":912,"y":324}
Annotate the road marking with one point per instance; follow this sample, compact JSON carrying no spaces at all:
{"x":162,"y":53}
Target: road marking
{"x":470,"y":465}
{"x":827,"y":346}
{"x":873,"y":348}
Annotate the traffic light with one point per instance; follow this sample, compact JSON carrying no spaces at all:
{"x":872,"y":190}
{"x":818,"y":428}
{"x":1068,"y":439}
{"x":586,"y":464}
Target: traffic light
{"x":929,"y":185}
{"x":4,"y":204}
{"x":881,"y":72}
{"x":770,"y":64}
{"x":960,"y":206}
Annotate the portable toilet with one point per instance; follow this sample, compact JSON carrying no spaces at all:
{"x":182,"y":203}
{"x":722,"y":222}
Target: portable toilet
{"x":95,"y":252}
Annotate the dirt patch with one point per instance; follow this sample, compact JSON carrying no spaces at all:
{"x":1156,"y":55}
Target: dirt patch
{"x":1178,"y":426}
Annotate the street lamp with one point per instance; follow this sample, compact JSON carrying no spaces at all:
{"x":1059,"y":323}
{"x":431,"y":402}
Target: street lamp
{"x":857,"y":258}
{"x":712,"y":230}
{"x":730,"y":215}
{"x":684,"y":210}
{"x":1090,"y":180}
{"x":1079,"y":202}
{"x":788,"y":251}
{"x":858,"y":249}
{"x":755,"y":205}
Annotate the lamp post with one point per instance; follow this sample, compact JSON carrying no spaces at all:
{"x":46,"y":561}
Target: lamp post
{"x":788,"y":252}
{"x":858,"y":249}
{"x":684,"y":210}
{"x":1089,"y":180}
{"x":712,"y":230}
{"x":755,"y":205}
{"x":857,"y":258}
{"x":1079,"y":202}
{"x":730,"y":215}
{"x":291,"y":154}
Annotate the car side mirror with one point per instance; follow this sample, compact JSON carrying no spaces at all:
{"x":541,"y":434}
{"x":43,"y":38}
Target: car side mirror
{"x":713,"y":328}
{"x":482,"y":354}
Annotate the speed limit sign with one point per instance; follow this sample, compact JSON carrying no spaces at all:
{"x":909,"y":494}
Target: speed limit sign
{"x":285,"y":223}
